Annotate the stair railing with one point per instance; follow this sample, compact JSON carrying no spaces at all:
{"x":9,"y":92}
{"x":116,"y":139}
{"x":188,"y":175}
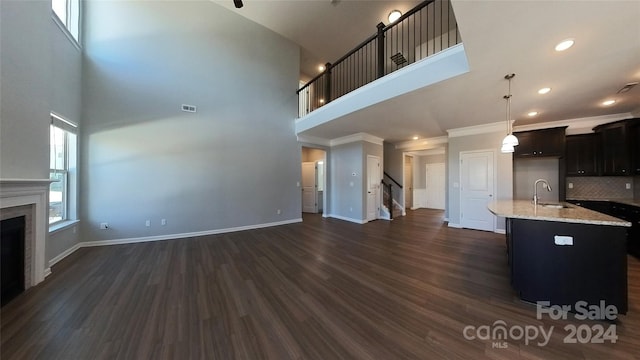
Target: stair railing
{"x":388,"y":188}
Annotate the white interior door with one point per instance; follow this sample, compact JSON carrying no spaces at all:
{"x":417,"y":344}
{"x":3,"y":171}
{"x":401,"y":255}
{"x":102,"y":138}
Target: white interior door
{"x":435,"y":186}
{"x":476,"y":190}
{"x":373,"y":187}
{"x":309,"y":188}
{"x":408,"y":182}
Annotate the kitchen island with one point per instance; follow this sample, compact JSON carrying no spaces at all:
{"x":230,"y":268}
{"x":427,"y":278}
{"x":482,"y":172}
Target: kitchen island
{"x":564,"y":254}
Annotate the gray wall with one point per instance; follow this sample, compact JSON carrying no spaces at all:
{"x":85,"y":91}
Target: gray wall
{"x":345,"y":194}
{"x":40,"y":72}
{"x":348,"y":193}
{"x":503,"y":163}
{"x":233,"y":163}
{"x":527,"y":171}
{"x":25,"y":85}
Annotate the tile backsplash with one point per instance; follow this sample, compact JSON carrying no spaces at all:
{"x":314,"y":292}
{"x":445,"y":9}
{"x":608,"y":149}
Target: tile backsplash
{"x":602,"y":187}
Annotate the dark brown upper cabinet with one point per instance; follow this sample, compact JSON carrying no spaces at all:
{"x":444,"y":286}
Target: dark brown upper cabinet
{"x":582,"y":155}
{"x":616,"y":140}
{"x":635,"y":141}
{"x":540,"y":143}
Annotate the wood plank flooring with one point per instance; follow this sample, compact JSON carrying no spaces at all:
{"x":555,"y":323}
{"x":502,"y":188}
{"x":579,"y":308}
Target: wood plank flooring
{"x":321,"y":289}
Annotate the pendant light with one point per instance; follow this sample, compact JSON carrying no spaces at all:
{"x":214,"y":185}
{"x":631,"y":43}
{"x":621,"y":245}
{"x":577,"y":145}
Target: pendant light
{"x":510,"y":140}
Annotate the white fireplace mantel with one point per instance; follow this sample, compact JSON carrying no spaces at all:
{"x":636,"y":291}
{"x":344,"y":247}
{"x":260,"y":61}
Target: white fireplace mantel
{"x":35,"y":192}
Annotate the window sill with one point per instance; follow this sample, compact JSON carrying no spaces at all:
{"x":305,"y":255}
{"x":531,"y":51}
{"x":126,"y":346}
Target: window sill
{"x":63,"y":225}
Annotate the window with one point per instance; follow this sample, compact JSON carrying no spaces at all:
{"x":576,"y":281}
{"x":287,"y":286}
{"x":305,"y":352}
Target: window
{"x":62,"y":169}
{"x":68,"y":15}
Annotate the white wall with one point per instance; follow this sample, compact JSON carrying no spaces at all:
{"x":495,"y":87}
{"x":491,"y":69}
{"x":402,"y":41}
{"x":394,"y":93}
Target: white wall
{"x":233,"y":163}
{"x":503,"y":163}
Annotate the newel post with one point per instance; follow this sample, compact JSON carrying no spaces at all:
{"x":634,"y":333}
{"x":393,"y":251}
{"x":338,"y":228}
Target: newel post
{"x":327,"y":83}
{"x":380,"y":41}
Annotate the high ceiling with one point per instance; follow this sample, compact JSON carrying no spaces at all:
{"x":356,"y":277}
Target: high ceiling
{"x":499,"y":37}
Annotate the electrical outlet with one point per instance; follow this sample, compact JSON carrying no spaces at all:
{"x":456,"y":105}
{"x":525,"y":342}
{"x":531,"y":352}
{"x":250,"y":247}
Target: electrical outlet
{"x":570,"y":185}
{"x":628,"y":185}
{"x":147,"y":223}
{"x":278,"y":211}
{"x":104,"y":226}
{"x":163,"y":222}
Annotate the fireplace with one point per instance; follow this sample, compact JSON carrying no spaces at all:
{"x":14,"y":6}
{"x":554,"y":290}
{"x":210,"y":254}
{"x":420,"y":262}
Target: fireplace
{"x":26,"y":199}
{"x":12,"y":235}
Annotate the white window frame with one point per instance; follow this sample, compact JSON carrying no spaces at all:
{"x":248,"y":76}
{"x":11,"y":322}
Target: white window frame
{"x":67,"y":167}
{"x":71,"y":25}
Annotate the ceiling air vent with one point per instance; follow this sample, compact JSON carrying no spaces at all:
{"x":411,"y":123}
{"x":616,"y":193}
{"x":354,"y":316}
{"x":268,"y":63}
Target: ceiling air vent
{"x":398,"y":59}
{"x":627,"y":87}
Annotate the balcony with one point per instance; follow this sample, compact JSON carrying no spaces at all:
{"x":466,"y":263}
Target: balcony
{"x":424,"y":43}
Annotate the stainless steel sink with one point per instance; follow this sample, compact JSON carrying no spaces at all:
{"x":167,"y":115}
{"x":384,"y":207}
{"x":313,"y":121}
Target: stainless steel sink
{"x":555,"y":205}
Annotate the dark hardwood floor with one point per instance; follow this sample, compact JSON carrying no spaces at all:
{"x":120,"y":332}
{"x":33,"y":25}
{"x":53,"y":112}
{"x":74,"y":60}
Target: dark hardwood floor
{"x":321,"y":289}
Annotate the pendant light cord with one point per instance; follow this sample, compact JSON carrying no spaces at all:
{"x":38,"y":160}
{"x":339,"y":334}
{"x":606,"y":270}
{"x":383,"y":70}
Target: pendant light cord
{"x":508,"y":98}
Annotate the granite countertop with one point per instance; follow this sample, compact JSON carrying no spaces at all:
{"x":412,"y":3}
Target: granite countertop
{"x":524,"y":209}
{"x":627,"y":201}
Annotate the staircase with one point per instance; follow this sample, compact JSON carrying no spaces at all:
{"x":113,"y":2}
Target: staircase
{"x":388,"y":202}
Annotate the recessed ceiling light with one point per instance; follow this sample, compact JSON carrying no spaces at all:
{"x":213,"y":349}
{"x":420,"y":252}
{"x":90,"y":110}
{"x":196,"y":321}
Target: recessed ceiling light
{"x":608,"y":102}
{"x":565,"y":44}
{"x":415,"y":138}
{"x":544,"y":90}
{"x":394,"y":15}
{"x":321,"y":68}
{"x":532,"y":113}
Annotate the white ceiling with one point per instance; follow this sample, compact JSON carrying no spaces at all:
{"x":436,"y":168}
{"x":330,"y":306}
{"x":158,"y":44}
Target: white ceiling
{"x":499,"y":37}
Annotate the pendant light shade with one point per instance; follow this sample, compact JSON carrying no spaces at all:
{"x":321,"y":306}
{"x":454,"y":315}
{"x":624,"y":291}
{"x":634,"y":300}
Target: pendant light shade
{"x":506,"y":148}
{"x":510,"y":140}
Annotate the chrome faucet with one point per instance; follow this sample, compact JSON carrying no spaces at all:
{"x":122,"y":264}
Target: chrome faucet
{"x":545,"y":184}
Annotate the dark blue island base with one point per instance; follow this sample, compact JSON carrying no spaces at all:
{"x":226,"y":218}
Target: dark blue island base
{"x":546,"y":267}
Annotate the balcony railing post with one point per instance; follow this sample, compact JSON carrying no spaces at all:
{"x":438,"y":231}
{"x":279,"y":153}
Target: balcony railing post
{"x":380,"y":40}
{"x":327,"y":83}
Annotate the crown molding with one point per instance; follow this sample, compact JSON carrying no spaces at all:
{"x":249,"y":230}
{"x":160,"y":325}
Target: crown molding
{"x":422,"y":144}
{"x":313,"y":140}
{"x":578,"y":125}
{"x":355,"y":138}
{"x":478,"y":129}
{"x":436,"y":151}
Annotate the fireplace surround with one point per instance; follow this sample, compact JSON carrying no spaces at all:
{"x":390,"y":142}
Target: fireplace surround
{"x":29,"y":198}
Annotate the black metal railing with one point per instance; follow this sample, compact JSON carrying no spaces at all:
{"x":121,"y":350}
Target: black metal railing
{"x":388,"y":195}
{"x":423,"y":31}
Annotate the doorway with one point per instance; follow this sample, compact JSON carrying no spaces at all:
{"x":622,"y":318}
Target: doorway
{"x":313,"y":183}
{"x":476,"y":189}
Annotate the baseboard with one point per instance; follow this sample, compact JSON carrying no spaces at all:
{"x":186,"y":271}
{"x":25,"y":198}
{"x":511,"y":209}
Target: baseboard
{"x":186,"y":235}
{"x":77,"y":246}
{"x":500,"y":231}
{"x":457,"y":226}
{"x":47,"y":272}
{"x":357,"y":221}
